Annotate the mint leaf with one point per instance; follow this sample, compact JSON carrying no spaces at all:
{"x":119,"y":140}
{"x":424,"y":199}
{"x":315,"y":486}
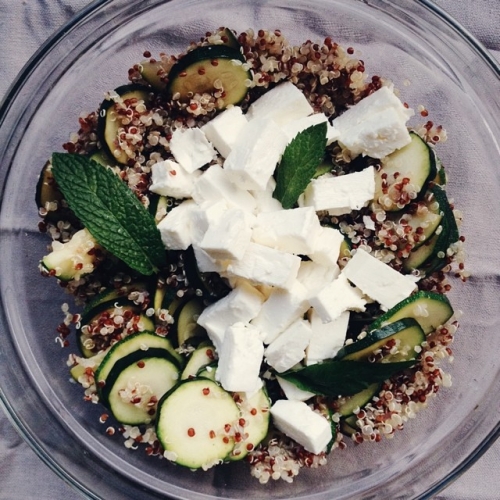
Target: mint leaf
{"x":343,"y":378}
{"x":110,"y":211}
{"x":298,"y":164}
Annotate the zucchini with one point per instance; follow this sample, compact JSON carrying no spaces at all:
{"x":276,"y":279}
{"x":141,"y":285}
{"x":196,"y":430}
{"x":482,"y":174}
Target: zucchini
{"x":208,"y":371}
{"x":201,"y":357}
{"x":415,"y":162}
{"x":429,"y":309}
{"x":185,"y":322}
{"x":102,"y":158}
{"x":195,"y":423}
{"x":134,"y":386}
{"x":108,"y":125}
{"x":406,"y":332}
{"x":225,"y":37}
{"x":93,"y":363}
{"x":348,"y":425}
{"x":210,"y":69}
{"x":346,"y":406}
{"x":155,"y":73}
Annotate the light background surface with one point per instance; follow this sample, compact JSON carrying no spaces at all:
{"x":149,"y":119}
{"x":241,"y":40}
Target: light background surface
{"x":24,"y":26}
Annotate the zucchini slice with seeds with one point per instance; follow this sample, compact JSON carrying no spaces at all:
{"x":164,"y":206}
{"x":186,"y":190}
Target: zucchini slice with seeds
{"x":185,"y":322}
{"x":346,"y":406}
{"x":201,"y":357}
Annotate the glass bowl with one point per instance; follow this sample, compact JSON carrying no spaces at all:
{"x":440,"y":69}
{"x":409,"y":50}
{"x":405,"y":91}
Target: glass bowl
{"x":433,"y":62}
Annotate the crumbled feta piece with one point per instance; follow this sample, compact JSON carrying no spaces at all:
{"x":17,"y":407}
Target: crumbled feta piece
{"x":206,"y":213}
{"x":191,"y":148}
{"x":215,"y":185}
{"x":176,"y":228}
{"x":280,"y":310}
{"x":239,"y":306}
{"x":342,"y":194}
{"x":289,"y":348}
{"x":255,"y":154}
{"x":264,"y":199}
{"x":228,"y":237}
{"x":206,"y":263}
{"x":369,"y":222}
{"x":168,"y":178}
{"x":224,"y":129}
{"x":337,"y":297}
{"x":376,"y":279}
{"x":315,"y":276}
{"x":294,"y":230}
{"x":293,"y":392}
{"x":327,"y":247}
{"x":266,"y":266}
{"x":293,"y":128}
{"x":240,"y":358}
{"x":375,"y":126}
{"x":300,"y":422}
{"x":327,"y":338}
{"x":283,"y":103}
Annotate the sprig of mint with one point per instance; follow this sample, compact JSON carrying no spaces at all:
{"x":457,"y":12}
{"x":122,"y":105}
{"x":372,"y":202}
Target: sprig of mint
{"x":298,"y":164}
{"x":342,"y":378}
{"x":110,"y":211}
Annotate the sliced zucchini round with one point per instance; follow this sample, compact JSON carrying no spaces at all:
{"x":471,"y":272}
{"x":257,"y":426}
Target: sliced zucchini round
{"x":201,"y":357}
{"x":185,"y":322}
{"x":346,"y":406}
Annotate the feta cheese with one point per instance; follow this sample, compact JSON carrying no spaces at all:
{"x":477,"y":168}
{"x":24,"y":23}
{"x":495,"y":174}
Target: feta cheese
{"x":292,"y":391}
{"x":300,"y":422}
{"x":293,"y":128}
{"x":293,"y":231}
{"x":240,"y":358}
{"x":266,"y":266}
{"x":340,"y":195}
{"x":176,"y":228}
{"x":379,"y":281}
{"x":284,"y":103}
{"x":280,"y":310}
{"x":191,"y":148}
{"x":208,"y":212}
{"x":315,"y":276}
{"x":228,"y":237}
{"x":224,"y":129}
{"x":168,"y":178}
{"x":289,"y":348}
{"x":375,"y":126}
{"x":327,"y":247}
{"x":264,"y":199}
{"x":327,"y":338}
{"x":239,"y":306}
{"x":206,"y":263}
{"x":255,"y":154}
{"x":337,"y":297}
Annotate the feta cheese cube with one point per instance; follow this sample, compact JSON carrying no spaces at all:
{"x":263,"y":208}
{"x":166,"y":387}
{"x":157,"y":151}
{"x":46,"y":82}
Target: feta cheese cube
{"x":266,"y":266}
{"x":327,"y":247}
{"x":208,"y":212}
{"x":292,"y":391}
{"x":264,"y":199}
{"x":292,"y":128}
{"x":227,"y":237}
{"x":176,"y":227}
{"x":293,"y":231}
{"x":168,"y":178}
{"x":327,"y":338}
{"x":191,"y":148}
{"x":315,"y":276}
{"x":240,"y":358}
{"x":280,"y":310}
{"x":255,"y":154}
{"x":224,"y":129}
{"x":379,"y":281}
{"x":206,"y":263}
{"x":239,"y":306}
{"x":284,"y":103}
{"x":337,"y":297}
{"x":300,"y":422}
{"x":340,"y":195}
{"x":215,"y":185}
{"x":289,"y":348}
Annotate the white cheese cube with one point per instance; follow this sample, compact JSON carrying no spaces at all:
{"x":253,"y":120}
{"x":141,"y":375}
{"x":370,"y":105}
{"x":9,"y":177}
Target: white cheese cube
{"x":291,"y":129}
{"x":254,"y":156}
{"x":215,"y":185}
{"x":168,"y":178}
{"x":239,"y":306}
{"x":340,"y":195}
{"x":191,"y":148}
{"x":379,"y":281}
{"x":337,"y":297}
{"x":240,"y":358}
{"x":293,"y":231}
{"x":227,"y":237}
{"x":224,"y":129}
{"x":206,"y":263}
{"x":280,"y":310}
{"x":208,"y":212}
{"x":265,"y":266}
{"x":327,"y":338}
{"x":176,"y":228}
{"x":327,"y":247}
{"x":293,"y":392}
{"x":284,"y":103}
{"x":315,"y":276}
{"x":332,"y":134}
{"x":264,"y":199}
{"x":289,"y":348}
{"x":300,"y":422}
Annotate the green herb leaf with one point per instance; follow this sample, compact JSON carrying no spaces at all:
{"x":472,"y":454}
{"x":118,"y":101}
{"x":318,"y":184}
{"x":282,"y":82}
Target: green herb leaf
{"x":343,"y":378}
{"x":298,"y":164}
{"x":110,"y":211}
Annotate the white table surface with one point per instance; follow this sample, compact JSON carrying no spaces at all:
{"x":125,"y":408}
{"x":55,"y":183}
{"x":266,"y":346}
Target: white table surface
{"x":24,"y":26}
